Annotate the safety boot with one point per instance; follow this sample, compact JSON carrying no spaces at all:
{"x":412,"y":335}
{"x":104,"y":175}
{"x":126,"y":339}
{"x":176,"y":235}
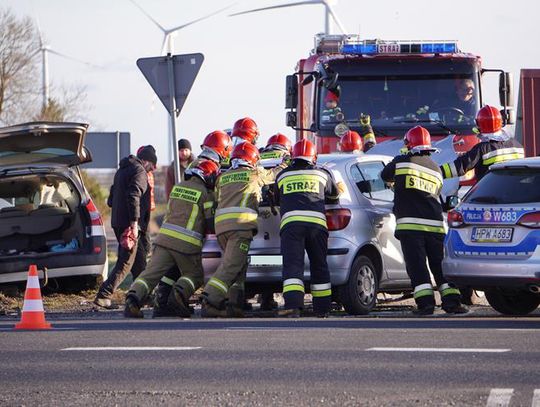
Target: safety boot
{"x":289,"y":313}
{"x":423,"y":311}
{"x":234,"y":311}
{"x":455,"y":309}
{"x":178,"y":304}
{"x":209,"y":311}
{"x":132,"y":309}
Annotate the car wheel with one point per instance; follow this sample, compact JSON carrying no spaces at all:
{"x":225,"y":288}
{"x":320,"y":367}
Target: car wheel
{"x":512,"y":302}
{"x":359,"y":295}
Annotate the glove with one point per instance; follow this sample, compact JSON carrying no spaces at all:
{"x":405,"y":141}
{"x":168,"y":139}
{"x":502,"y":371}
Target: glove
{"x":365,"y":119}
{"x":128,"y":239}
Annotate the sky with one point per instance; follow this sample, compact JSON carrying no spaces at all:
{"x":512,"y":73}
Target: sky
{"x":247,"y":57}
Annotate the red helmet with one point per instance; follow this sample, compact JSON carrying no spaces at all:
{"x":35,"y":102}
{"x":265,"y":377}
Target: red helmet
{"x":218,"y":141}
{"x":280,"y":141}
{"x":418,"y":139}
{"x":489,"y":120}
{"x":350,"y":142}
{"x":246,"y":153}
{"x":208,"y":170}
{"x":246,"y":128}
{"x":331,"y":97}
{"x":305,"y":150}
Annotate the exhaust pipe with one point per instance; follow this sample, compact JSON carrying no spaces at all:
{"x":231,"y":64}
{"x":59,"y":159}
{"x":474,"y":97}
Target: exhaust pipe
{"x":534,"y":289}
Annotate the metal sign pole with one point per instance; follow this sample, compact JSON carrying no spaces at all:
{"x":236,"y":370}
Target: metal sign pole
{"x":172,"y":112}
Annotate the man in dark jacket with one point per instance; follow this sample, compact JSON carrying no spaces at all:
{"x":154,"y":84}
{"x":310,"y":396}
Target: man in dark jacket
{"x":130,"y":202}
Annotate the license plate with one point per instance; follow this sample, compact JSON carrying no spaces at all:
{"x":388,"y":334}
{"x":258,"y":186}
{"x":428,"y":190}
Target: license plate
{"x":265,"y":261}
{"x":388,"y":49}
{"x":492,"y":235}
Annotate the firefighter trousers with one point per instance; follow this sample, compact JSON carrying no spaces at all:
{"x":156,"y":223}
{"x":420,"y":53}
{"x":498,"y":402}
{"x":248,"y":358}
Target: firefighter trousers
{"x":191,"y":271}
{"x":314,"y":240}
{"x":227,"y":283}
{"x":416,"y":248}
{"x":165,"y":286}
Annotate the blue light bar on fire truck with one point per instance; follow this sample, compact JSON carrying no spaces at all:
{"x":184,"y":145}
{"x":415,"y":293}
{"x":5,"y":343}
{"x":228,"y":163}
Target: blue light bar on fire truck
{"x":399,"y":47}
{"x":352,"y":44}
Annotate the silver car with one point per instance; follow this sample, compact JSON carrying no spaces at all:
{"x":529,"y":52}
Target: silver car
{"x":494,"y":239}
{"x":364,"y":257}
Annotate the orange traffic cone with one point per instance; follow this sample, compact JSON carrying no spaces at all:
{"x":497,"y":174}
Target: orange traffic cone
{"x":33,"y":315}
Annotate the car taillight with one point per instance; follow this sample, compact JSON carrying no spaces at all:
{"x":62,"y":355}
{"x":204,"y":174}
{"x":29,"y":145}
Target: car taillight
{"x":455,"y":219}
{"x":95,"y":216}
{"x":338,"y":219}
{"x":530,"y":220}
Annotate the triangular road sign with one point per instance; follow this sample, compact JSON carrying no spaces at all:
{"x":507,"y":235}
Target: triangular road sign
{"x":186,"y":67}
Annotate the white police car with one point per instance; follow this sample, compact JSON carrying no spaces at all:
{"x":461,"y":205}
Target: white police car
{"x":493,"y":243}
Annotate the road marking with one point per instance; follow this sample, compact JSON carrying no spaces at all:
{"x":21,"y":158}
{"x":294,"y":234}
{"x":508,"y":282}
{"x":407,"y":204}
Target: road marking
{"x":536,"y":398}
{"x":457,"y":350}
{"x":135,"y":348}
{"x":499,"y":397}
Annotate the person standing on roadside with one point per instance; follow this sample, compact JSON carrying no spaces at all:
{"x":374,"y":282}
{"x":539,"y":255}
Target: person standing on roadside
{"x":129,"y":199}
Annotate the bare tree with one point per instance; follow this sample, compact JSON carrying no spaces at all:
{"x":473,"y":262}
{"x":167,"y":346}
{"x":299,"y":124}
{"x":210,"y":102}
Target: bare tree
{"x":19,"y":46}
{"x":69,"y":105}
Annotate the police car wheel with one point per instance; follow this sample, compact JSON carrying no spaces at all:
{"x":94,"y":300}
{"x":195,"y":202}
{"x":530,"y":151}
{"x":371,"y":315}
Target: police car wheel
{"x":512,"y":302}
{"x":359,"y":295}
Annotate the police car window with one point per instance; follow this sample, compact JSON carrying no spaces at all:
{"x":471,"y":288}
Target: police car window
{"x":507,"y":187}
{"x":367,"y":177}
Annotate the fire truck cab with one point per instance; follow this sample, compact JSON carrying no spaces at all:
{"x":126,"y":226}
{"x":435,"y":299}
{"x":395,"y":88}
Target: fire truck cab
{"x":399,"y":84}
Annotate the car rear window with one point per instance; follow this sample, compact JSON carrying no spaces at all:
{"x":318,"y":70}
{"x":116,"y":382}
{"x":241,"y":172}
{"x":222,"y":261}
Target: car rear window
{"x":508,"y":186}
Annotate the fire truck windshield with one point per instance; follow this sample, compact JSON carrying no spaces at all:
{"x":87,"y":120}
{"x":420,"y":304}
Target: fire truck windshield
{"x":394,"y":101}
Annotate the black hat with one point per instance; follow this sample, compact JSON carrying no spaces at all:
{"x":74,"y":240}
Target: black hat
{"x":184,"y":143}
{"x":147,"y":153}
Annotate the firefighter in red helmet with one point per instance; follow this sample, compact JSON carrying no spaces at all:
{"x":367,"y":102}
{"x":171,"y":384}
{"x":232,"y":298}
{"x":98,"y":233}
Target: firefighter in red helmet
{"x":179,"y":242}
{"x":420,"y":229}
{"x":495,"y":146}
{"x":350,"y":142}
{"x":238,"y":192}
{"x":216,"y":147}
{"x":302,"y":189}
{"x":245,"y":129}
{"x":278,"y":146}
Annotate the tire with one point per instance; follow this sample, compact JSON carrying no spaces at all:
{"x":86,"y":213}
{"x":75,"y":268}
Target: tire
{"x":359,"y":294}
{"x":470,"y":296}
{"x":512,"y":302}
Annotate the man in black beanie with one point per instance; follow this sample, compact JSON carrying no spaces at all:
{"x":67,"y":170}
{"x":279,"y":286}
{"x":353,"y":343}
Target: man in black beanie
{"x":185,"y":157}
{"x":129,"y":199}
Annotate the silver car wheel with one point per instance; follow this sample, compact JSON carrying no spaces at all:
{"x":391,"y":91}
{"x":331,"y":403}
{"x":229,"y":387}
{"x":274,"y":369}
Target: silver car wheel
{"x":366,"y":284}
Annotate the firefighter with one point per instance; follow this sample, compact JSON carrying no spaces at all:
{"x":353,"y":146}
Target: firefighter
{"x":245,"y":129}
{"x":331,"y":112}
{"x":238,"y":193}
{"x":179,"y":242}
{"x":216,"y":147}
{"x":495,"y":146}
{"x":350,"y":142}
{"x":278,"y":146}
{"x":302,"y":189}
{"x":419,"y":221}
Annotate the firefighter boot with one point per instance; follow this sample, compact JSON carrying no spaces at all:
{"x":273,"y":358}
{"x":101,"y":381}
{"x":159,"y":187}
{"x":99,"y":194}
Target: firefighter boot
{"x":289,"y":313}
{"x":178,"y":303}
{"x":132,"y":309}
{"x":451,"y":300}
{"x":235,"y":305}
{"x":210,"y":311}
{"x":161,"y":309}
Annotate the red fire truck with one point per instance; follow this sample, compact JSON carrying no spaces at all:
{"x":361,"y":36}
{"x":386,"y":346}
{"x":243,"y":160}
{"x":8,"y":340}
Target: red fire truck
{"x":399,"y":84}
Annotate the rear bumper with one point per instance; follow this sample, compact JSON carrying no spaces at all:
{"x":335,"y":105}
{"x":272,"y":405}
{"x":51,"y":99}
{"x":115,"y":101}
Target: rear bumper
{"x":260,"y":272}
{"x":483,"y":273}
{"x":94,"y":270}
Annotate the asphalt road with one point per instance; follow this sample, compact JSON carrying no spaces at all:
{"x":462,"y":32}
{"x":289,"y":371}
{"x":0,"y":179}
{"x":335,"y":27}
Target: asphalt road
{"x":461,"y":361}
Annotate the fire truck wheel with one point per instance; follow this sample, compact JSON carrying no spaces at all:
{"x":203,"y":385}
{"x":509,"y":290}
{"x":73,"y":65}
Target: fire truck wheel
{"x":359,"y":294}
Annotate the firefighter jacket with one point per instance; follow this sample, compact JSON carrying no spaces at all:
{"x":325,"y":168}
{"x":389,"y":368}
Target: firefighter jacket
{"x":189,"y":211}
{"x":302,"y":189}
{"x":417,"y":183}
{"x":481,"y":156}
{"x":238,"y":192}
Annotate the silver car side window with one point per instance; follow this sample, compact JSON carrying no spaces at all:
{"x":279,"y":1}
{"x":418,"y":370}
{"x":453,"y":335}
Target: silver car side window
{"x":367,"y":177}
